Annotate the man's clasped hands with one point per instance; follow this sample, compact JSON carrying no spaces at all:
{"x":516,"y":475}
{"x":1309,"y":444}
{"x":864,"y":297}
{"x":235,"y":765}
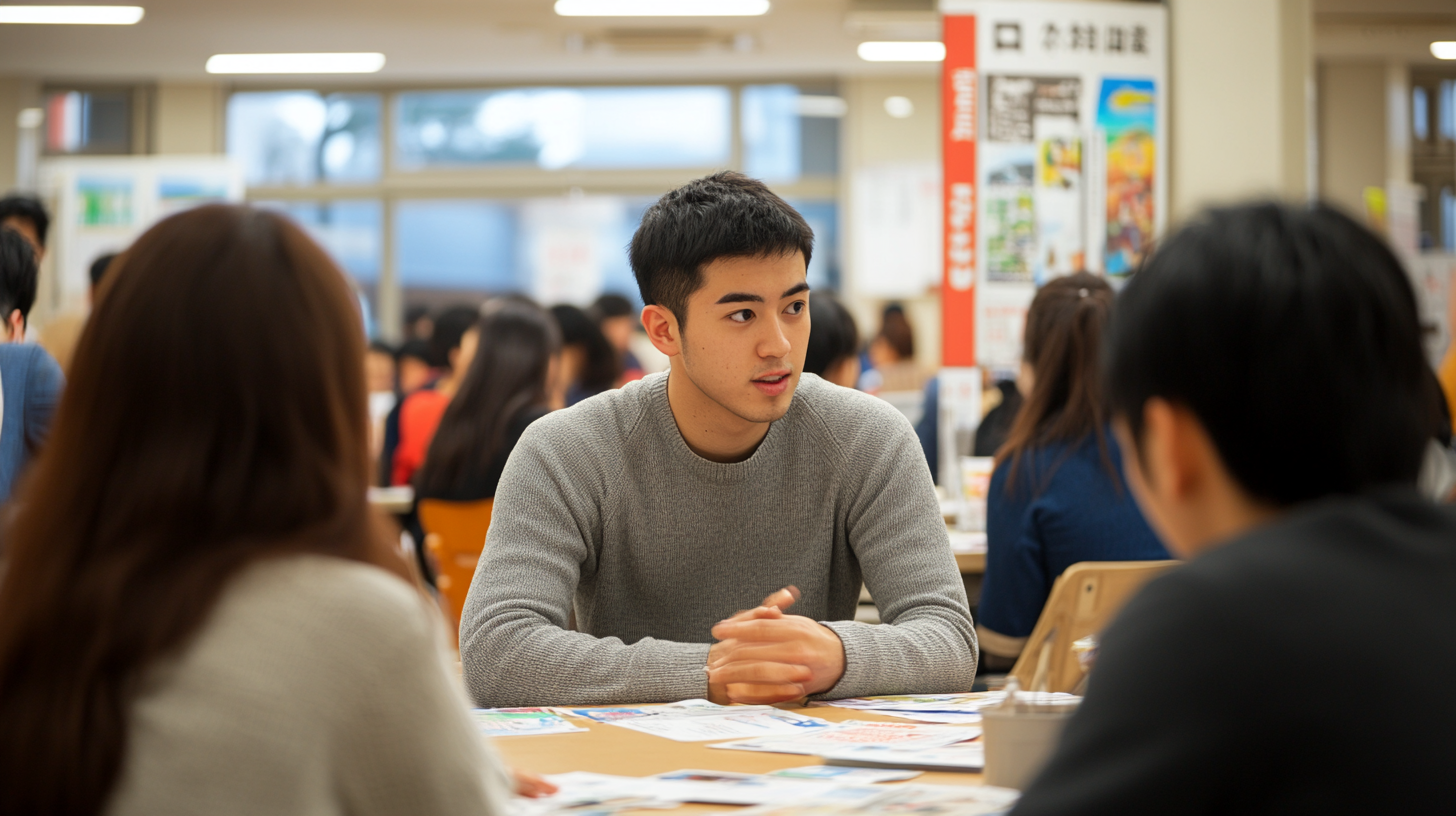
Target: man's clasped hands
{"x":766,"y":656}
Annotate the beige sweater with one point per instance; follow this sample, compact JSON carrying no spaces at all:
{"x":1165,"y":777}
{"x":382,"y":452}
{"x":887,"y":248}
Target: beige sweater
{"x":317,"y":686}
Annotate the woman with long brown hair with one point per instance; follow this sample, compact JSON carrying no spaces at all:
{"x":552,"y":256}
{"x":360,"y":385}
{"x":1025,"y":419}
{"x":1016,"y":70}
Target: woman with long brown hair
{"x":199,"y":613}
{"x":1057,"y":495}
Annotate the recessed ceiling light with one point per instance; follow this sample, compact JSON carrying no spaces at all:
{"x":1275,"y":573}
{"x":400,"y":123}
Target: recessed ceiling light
{"x":899,"y":107}
{"x":366,"y":63}
{"x":72,"y":15}
{"x":661,"y":8}
{"x":902,"y":51}
{"x":1444,"y":50}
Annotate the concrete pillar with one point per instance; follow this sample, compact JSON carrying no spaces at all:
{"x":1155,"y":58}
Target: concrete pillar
{"x":1242,"y":101}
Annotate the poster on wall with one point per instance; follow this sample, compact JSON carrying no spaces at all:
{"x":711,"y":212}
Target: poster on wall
{"x":1055,"y":135}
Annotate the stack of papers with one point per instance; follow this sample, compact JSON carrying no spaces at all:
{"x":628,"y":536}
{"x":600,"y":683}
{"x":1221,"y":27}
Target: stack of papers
{"x":941,"y":800}
{"x":961,"y":756}
{"x":517,"y":722}
{"x":582,"y":792}
{"x":853,"y":733}
{"x":699,"y":720}
{"x":948,"y":709}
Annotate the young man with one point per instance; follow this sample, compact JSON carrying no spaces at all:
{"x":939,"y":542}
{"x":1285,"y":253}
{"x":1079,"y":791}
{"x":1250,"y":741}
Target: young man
{"x":658,"y":511}
{"x":18,"y":280}
{"x":30,"y":380}
{"x":26,"y":215}
{"x":1269,"y":385}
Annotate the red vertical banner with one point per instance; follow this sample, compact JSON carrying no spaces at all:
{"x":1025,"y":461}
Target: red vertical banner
{"x":959,"y":89}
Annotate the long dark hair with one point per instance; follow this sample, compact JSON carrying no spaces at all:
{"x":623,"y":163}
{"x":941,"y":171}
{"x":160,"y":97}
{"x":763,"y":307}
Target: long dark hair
{"x":507,"y":376}
{"x":1063,"y":346}
{"x":215,"y":416}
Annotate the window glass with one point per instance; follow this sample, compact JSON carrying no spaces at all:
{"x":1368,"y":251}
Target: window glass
{"x":789,"y":132}
{"x":1447,"y":109}
{"x":88,"y":122}
{"x":823,"y":218}
{"x":352,"y":231}
{"x":455,"y":245}
{"x":553,"y":128}
{"x":303,"y":137}
{"x":1420,"y":114}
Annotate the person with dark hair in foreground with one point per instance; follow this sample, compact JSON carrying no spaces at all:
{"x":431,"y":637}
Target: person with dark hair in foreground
{"x":656,"y":512}
{"x":833,"y":342}
{"x":1057,"y":496}
{"x":618,"y":320}
{"x":1268,"y":384}
{"x":505,"y":389}
{"x":199,"y":612}
{"x":26,"y":215}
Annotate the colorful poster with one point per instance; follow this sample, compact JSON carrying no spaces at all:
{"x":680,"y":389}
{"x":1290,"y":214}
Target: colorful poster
{"x":104,"y":202}
{"x":1010,"y":229}
{"x":1126,"y":119}
{"x":178,"y":193}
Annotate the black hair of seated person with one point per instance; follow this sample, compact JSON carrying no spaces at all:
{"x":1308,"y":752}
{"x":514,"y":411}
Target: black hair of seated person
{"x":30,"y":208}
{"x":418,"y":349}
{"x":725,"y":215}
{"x":99,"y":267}
{"x":450,"y":326}
{"x":1292,"y":334}
{"x":833,"y":334}
{"x":611,"y":305}
{"x":600,"y":366}
{"x":507,"y":376}
{"x":18,"y":274}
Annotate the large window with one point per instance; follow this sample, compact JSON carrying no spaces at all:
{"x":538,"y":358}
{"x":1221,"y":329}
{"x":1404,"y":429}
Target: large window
{"x":460,"y":194}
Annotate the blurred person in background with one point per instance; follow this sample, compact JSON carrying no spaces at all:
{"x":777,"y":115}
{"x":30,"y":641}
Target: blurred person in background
{"x":589,"y":364}
{"x":1057,"y":495}
{"x":505,"y":389}
{"x":27,"y":215}
{"x":380,"y":379}
{"x":412,"y":372}
{"x":452,"y":345}
{"x":418,"y":324}
{"x":19,"y":273}
{"x":30,"y":379}
{"x":889,"y":360}
{"x":199,"y":612}
{"x":618,"y":321}
{"x":833,"y":342}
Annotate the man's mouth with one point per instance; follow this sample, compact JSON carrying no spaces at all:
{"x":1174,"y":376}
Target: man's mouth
{"x":773,"y":383}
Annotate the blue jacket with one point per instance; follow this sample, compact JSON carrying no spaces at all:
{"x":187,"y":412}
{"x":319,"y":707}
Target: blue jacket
{"x":1080,"y":513}
{"x":32,"y":382}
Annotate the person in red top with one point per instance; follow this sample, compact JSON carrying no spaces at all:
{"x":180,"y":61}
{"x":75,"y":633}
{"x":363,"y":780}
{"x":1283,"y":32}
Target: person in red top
{"x":454,"y":339}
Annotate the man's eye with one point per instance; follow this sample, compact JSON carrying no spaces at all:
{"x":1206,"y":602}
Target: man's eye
{"x":741,"y":316}
{"x":797,"y":307}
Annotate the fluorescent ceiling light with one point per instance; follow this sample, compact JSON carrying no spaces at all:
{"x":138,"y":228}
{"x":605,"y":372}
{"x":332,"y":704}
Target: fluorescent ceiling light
{"x":1444,"y":50}
{"x":72,"y":15}
{"x":661,"y":8}
{"x":902,"y":51}
{"x":295,"y":63}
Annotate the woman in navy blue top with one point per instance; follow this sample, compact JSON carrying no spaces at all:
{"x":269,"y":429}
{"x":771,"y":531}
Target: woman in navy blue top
{"x":1057,"y":496}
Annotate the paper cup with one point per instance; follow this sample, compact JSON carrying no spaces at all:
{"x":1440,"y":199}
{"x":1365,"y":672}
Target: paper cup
{"x":1018,"y":744}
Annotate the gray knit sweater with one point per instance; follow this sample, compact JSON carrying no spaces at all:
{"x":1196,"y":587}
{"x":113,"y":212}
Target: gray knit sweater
{"x":604,"y":509}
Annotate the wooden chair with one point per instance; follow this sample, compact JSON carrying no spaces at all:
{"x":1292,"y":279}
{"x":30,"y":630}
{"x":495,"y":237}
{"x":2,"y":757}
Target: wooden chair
{"x":454,"y":538}
{"x":1084,"y":600}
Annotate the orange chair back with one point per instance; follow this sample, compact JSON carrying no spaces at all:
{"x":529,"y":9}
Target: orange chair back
{"x":454,"y":538}
{"x":1084,"y":599}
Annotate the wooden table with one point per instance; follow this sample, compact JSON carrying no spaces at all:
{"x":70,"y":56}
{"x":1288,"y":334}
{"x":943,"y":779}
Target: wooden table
{"x":971,"y":563}
{"x":611,"y":749}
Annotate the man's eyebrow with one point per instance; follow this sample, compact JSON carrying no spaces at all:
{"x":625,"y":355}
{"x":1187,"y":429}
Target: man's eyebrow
{"x":740,"y":297}
{"x":802,"y":286}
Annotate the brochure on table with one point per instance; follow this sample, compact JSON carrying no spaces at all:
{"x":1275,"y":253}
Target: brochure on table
{"x":856,"y":732}
{"x":700,"y":720}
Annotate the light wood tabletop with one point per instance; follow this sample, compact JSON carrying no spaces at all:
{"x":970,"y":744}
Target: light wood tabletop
{"x":611,"y":749}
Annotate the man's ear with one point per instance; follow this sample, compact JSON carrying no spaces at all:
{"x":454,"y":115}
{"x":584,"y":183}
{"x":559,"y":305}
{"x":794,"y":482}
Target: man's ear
{"x":662,"y":329}
{"x":15,"y":326}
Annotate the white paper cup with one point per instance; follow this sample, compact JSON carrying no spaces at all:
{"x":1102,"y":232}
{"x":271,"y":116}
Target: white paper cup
{"x":1018,"y":744}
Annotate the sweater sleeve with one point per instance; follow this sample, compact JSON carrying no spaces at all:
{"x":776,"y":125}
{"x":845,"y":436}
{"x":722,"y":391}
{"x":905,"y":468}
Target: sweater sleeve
{"x":1159,"y":729}
{"x":516,"y":650}
{"x":44,"y":382}
{"x":927,"y":642}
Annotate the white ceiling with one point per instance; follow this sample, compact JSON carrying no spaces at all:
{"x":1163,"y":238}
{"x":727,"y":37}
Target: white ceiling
{"x":503,"y":40}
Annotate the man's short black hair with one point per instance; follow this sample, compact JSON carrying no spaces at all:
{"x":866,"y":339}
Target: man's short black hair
{"x":450,"y":326}
{"x":833,"y":334}
{"x":17,"y":205}
{"x":99,"y":267}
{"x":18,"y":274}
{"x":725,"y":215}
{"x":1293,"y":334}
